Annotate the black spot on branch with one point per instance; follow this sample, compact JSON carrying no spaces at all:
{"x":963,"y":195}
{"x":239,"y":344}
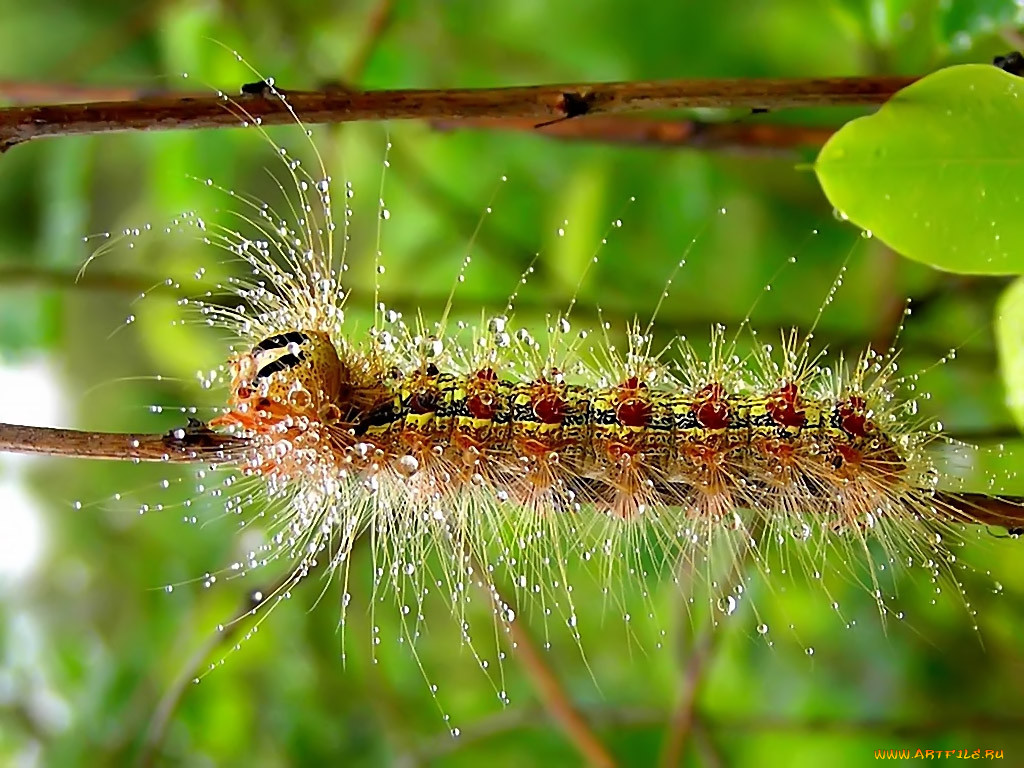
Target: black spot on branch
{"x":573,"y":104}
{"x":1012,"y":62}
{"x":196,"y":435}
{"x":260,"y":88}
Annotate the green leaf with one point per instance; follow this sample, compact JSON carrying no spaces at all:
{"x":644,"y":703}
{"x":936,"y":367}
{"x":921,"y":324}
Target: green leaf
{"x":936,"y":172}
{"x":1009,"y":328}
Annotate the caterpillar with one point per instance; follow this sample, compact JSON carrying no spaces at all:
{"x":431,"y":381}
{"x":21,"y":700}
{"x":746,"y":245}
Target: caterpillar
{"x":494,"y":462}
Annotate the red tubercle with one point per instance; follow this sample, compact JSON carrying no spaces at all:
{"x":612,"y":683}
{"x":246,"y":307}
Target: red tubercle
{"x":784,"y":406}
{"x":481,"y":400}
{"x":481,"y":405}
{"x":710,"y":407}
{"x":853,"y":417}
{"x":547,"y":402}
{"x":632,"y":411}
{"x":486,"y":374}
{"x":549,"y":409}
{"x":631,"y":384}
{"x":851,"y":457}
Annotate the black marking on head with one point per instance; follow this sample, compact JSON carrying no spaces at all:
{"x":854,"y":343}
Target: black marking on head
{"x":282,"y":363}
{"x":282,"y":340}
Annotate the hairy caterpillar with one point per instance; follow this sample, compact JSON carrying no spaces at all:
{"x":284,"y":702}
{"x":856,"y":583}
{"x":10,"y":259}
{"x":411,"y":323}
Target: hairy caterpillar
{"x":482,"y":456}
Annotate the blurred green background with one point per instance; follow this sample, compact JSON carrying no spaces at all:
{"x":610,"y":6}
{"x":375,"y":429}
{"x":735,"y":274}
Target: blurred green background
{"x":92,"y":646}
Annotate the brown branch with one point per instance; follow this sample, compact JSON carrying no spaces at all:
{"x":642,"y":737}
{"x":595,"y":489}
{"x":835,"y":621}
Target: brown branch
{"x":650,"y":132}
{"x":168,"y":704}
{"x":192,"y":443}
{"x":542,"y":103}
{"x":556,"y":701}
{"x":979,"y":509}
{"x":683,"y":718}
{"x":74,"y":279}
{"x":549,"y":689}
{"x":196,"y":442}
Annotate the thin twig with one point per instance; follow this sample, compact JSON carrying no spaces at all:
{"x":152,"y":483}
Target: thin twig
{"x":74,"y":279}
{"x":251,"y":603}
{"x":168,"y":704}
{"x":541,"y":102}
{"x":682,"y":720}
{"x":165,"y":709}
{"x":377,"y":23}
{"x":697,"y":654}
{"x":555,"y":700}
{"x":708,"y":752}
{"x":979,"y":509}
{"x":650,"y":132}
{"x":188,"y":444}
{"x":545,"y":682}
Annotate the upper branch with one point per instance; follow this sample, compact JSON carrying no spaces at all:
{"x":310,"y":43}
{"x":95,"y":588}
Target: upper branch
{"x":540,"y":102}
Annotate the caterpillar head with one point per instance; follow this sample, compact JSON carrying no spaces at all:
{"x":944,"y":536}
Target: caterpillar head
{"x":296,"y":373}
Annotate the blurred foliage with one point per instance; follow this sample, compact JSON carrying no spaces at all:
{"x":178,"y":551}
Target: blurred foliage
{"x":90,"y":641}
{"x":1009,"y":337}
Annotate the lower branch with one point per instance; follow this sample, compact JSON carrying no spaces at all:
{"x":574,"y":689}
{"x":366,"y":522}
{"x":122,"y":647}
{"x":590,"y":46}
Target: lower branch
{"x":196,"y":442}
